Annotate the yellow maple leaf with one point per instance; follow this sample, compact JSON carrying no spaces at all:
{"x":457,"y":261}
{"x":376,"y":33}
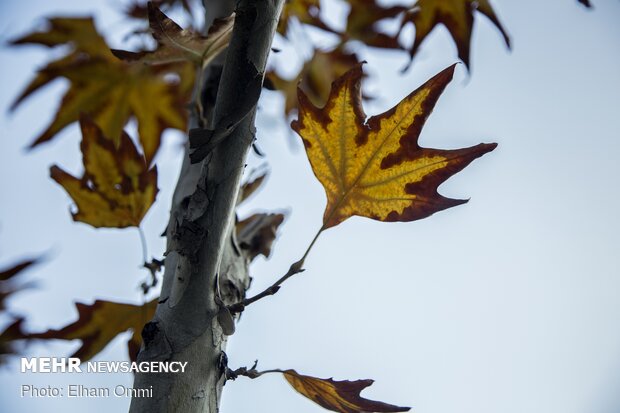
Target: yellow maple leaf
{"x":117,"y":188}
{"x":98,"y":324}
{"x":456,"y":15}
{"x":375,"y":168}
{"x":338,"y":396}
{"x":109,"y":90}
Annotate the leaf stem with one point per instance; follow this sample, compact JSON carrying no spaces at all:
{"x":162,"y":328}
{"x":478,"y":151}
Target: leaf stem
{"x":145,"y":253}
{"x":198,"y":100}
{"x":295,"y":268}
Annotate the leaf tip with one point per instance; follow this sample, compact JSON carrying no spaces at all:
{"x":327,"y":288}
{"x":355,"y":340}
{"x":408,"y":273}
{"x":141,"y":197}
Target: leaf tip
{"x":54,"y":170}
{"x":487,"y":147}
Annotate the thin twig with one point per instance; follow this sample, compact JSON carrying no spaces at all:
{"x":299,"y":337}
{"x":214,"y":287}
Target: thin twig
{"x":251,"y":372}
{"x":295,"y":268}
{"x":144,"y":285}
{"x":153,"y":267}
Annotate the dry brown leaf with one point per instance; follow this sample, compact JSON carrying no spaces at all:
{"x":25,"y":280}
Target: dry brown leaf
{"x":338,"y":396}
{"x":249,"y":187}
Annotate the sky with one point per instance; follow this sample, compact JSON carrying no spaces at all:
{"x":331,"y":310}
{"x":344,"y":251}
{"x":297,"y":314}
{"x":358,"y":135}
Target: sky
{"x":508,"y":303}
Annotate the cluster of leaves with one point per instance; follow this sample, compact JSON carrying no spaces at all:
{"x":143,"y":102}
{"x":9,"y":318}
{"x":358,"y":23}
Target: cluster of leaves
{"x":98,"y":324}
{"x":110,"y":91}
{"x":108,"y":88}
{"x":119,"y":181}
{"x":371,"y":167}
{"x":363,"y":25}
{"x":119,"y":184}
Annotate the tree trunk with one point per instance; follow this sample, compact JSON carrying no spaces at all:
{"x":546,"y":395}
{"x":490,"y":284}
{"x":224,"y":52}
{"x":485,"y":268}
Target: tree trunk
{"x":204,"y":270}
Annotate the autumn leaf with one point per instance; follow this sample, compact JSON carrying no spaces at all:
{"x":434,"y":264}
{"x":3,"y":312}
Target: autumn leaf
{"x":117,"y":188}
{"x":8,"y":285}
{"x":109,"y":90}
{"x":80,"y":33}
{"x":251,"y":186}
{"x":140,"y":9}
{"x":456,"y":15}
{"x":98,"y":324}
{"x":375,"y":168}
{"x":8,"y":337}
{"x":363,"y":20}
{"x":256,"y":234}
{"x":306,"y":11}
{"x":338,"y":396}
{"x":314,"y":78}
{"x":178,"y":45}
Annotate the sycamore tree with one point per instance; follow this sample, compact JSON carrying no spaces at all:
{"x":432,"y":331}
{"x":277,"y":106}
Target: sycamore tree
{"x":204,"y":75}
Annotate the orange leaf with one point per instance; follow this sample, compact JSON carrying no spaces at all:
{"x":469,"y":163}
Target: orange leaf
{"x":109,"y":90}
{"x":456,"y":15}
{"x":375,"y":168}
{"x":98,"y":324}
{"x":178,"y":45}
{"x":338,"y":396}
{"x":117,"y":188}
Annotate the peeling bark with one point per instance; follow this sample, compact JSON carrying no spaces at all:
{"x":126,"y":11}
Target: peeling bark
{"x":204,"y":269}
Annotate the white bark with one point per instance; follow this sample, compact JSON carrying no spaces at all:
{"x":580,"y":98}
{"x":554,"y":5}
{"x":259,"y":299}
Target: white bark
{"x":200,"y":241}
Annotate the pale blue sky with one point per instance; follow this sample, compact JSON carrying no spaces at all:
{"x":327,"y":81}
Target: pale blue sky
{"x":510,"y":303}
